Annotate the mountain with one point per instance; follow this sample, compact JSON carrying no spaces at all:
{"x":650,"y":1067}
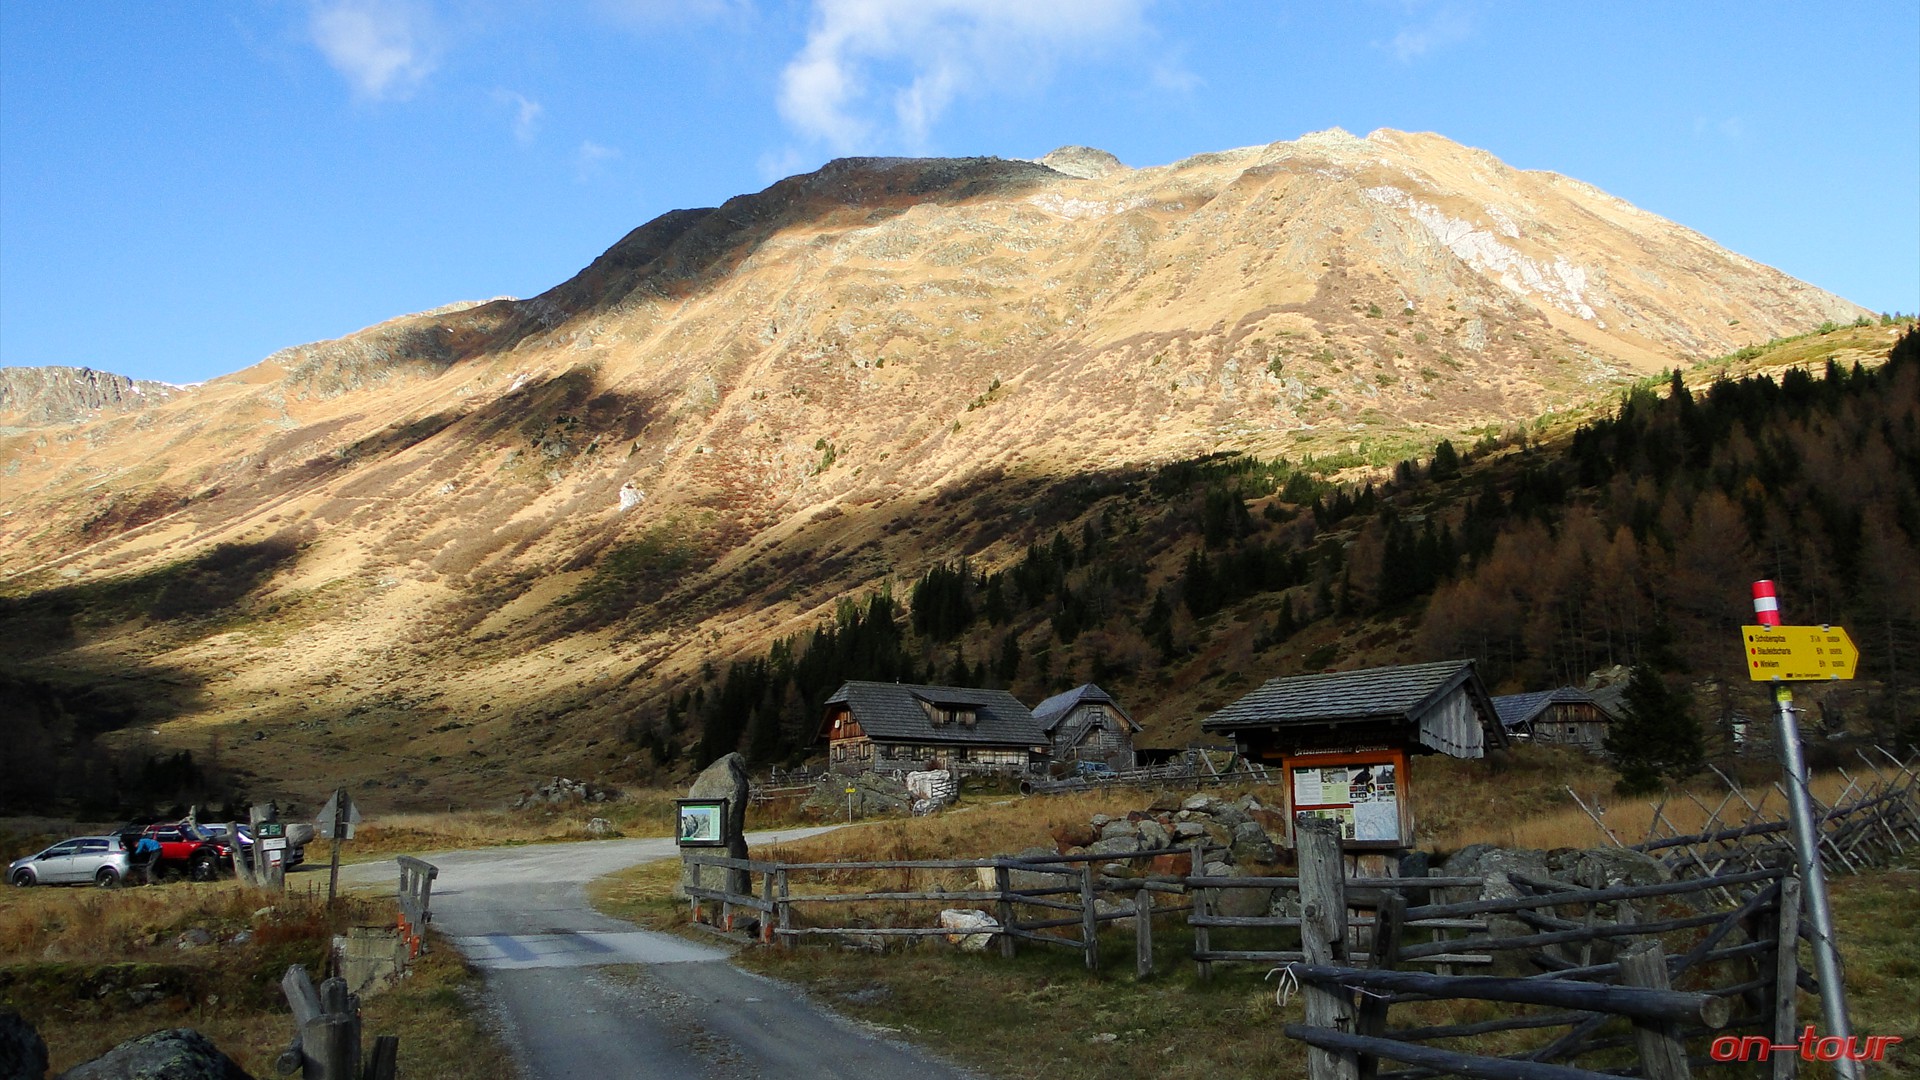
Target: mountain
{"x":468,"y":546}
{"x":37,"y":397}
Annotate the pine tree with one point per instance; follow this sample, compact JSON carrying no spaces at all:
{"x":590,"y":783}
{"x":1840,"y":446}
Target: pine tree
{"x":1657,"y":736}
{"x":1009,"y":658}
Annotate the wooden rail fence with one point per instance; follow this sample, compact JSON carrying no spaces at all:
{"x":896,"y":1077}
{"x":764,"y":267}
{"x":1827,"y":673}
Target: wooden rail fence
{"x":1627,"y":979}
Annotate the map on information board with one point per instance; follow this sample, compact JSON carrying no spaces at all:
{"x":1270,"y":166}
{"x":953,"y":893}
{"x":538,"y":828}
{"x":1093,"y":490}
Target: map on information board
{"x":1364,"y":798}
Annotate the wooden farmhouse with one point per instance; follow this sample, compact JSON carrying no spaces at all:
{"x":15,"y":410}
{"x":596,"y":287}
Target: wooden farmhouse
{"x":1568,"y":716}
{"x":1087,"y":724}
{"x":1343,"y":740}
{"x":890,"y":727}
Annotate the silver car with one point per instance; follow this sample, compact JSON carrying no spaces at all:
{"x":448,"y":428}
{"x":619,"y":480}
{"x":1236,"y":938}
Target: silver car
{"x":101,"y":860}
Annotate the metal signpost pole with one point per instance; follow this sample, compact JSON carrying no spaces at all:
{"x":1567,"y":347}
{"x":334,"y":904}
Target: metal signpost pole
{"x":1806,"y":849}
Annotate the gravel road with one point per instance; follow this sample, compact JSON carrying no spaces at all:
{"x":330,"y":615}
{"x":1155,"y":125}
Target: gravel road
{"x":581,"y":995}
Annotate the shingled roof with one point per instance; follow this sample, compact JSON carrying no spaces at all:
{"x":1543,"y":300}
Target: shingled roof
{"x":1050,"y":712}
{"x":1517,"y":709}
{"x":892,"y":712}
{"x":1406,"y":694}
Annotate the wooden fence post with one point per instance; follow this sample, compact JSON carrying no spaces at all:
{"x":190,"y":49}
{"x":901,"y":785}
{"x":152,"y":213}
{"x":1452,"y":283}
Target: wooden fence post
{"x":766,"y":915}
{"x":1003,"y":909}
{"x":385,"y":1060}
{"x":1142,"y":933}
{"x":1089,"y":918}
{"x":1786,"y":976}
{"x":786,"y":909}
{"x":1387,"y":925}
{"x":1199,"y":907}
{"x":1663,"y":1055}
{"x":1323,"y":937}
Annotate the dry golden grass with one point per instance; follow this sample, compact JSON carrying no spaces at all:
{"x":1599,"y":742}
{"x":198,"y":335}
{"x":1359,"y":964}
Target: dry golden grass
{"x":1521,"y":800}
{"x":641,"y":812}
{"x":91,"y":968}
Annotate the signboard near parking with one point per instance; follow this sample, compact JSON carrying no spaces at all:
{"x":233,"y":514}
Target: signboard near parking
{"x":341,"y":803}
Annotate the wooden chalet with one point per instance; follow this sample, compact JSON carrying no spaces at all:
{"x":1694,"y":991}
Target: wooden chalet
{"x":1343,"y":740}
{"x":1087,"y":724}
{"x":904,"y":727}
{"x":1568,"y":716}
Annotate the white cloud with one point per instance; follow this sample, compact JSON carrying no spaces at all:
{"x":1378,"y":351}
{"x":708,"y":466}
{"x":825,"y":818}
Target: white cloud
{"x":1447,"y":25}
{"x":590,"y":161}
{"x":917,"y":56}
{"x":526,"y":114}
{"x":384,"y":48}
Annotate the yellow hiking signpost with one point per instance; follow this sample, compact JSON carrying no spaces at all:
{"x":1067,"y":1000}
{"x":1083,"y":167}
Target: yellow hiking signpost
{"x":1798,"y":653}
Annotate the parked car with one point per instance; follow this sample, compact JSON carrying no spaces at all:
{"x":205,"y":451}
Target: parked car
{"x":298,"y":834}
{"x":102,"y":860}
{"x":184,"y":849}
{"x":1093,"y":770}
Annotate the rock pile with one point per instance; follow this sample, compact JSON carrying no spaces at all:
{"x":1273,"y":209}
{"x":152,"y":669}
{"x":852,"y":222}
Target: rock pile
{"x":1238,"y":828}
{"x":872,"y":794}
{"x":561,"y":791}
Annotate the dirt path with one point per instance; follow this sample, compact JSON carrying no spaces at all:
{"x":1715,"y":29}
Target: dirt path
{"x":582,"y":995}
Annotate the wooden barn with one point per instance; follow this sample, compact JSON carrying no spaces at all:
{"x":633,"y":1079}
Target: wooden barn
{"x":1344,"y":739}
{"x":1087,"y":724}
{"x":891,"y":727}
{"x":1568,"y":716}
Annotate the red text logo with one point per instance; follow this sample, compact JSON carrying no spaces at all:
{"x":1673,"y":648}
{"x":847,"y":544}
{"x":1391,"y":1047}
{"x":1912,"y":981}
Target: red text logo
{"x":1811,"y":1047}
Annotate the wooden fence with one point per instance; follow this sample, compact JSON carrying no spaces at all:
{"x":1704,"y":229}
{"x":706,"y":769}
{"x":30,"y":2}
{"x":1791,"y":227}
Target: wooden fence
{"x":1601,"y":980}
{"x":1053,"y":901}
{"x":1872,"y":820}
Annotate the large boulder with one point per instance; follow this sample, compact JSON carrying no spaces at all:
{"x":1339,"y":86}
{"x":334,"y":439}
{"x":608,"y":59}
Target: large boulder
{"x":1239,"y":903}
{"x":724,"y":779}
{"x":1605,"y":868}
{"x":22,"y":1052}
{"x":933,"y":786}
{"x":1031,"y":879}
{"x":1073,"y":836}
{"x":1250,"y":844}
{"x":1154,"y":835}
{"x":175,"y":1054}
{"x":969,"y":919}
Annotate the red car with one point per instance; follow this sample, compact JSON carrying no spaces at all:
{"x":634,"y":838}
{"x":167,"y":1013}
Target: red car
{"x":184,"y":849}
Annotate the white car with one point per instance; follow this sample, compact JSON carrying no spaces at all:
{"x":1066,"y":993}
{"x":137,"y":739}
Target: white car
{"x":101,"y":860}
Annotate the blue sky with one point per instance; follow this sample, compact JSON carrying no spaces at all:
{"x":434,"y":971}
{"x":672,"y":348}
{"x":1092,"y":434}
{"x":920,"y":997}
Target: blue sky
{"x":181,"y":196}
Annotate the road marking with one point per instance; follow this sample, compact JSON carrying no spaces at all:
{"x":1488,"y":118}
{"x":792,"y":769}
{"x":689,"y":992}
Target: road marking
{"x":515,"y":952}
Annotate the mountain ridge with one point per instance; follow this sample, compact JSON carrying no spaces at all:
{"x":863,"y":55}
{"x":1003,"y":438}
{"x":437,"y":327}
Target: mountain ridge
{"x":766,"y":404}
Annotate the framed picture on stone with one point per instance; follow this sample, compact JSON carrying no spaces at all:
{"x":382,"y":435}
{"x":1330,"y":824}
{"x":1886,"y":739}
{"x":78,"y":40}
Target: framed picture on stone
{"x":703,"y":822}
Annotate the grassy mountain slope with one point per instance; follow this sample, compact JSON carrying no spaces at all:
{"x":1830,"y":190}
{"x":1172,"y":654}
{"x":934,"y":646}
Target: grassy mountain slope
{"x":477,"y":545}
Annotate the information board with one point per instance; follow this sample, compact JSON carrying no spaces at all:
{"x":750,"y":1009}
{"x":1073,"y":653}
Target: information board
{"x":1362,"y":793}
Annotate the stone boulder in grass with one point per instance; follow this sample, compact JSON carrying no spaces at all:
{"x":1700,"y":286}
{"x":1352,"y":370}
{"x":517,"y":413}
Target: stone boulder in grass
{"x":174,"y":1054}
{"x":23,"y":1053}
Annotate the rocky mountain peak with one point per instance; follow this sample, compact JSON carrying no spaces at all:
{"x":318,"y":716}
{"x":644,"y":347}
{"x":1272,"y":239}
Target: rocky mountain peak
{"x":1084,"y":162}
{"x":39,"y":396}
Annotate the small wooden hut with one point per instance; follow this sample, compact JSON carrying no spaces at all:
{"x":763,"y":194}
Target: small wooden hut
{"x":1087,"y":724}
{"x":1568,"y":716}
{"x":1343,"y":740}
